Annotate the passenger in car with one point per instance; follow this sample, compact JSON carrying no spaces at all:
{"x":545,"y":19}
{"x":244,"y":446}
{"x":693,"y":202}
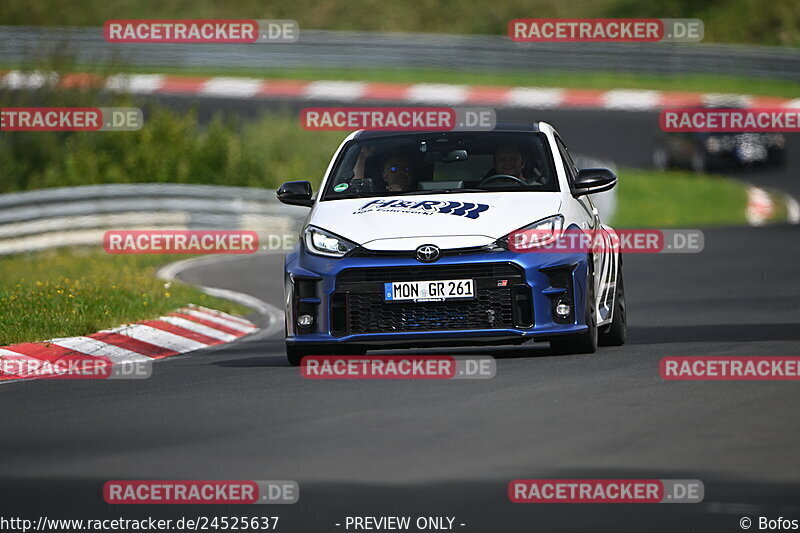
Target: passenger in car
{"x":398,"y":173}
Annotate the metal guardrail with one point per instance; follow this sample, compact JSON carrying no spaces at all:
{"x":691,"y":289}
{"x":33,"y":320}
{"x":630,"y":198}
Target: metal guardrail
{"x":73,"y":216}
{"x":79,"y":216}
{"x":337,"y":49}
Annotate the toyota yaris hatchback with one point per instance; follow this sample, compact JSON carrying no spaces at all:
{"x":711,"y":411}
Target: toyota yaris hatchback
{"x":407,"y":245}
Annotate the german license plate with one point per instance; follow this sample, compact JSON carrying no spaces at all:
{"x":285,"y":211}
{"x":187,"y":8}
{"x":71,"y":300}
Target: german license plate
{"x":429,"y":291}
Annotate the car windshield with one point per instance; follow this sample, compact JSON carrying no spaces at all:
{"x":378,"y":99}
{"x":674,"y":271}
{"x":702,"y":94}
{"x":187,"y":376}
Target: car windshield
{"x":443,"y":163}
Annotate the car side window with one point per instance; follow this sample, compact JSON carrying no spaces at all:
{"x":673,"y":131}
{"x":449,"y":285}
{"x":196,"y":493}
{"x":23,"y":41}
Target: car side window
{"x":569,"y":164}
{"x":572,"y":173}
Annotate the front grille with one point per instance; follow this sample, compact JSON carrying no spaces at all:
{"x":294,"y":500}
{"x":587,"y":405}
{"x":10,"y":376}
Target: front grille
{"x":365,"y":311}
{"x":412,"y":254}
{"x":429,"y":272}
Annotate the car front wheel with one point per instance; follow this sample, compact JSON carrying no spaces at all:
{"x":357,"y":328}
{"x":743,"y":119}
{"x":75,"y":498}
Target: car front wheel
{"x":698,"y":162}
{"x":661,"y":159}
{"x":617,"y":332}
{"x":295,"y":354}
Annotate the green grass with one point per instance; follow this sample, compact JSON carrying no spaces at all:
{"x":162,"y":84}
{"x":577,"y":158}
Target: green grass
{"x":774,"y":22}
{"x":650,"y":199}
{"x":172,"y":147}
{"x":576,"y":80}
{"x":69,"y":292}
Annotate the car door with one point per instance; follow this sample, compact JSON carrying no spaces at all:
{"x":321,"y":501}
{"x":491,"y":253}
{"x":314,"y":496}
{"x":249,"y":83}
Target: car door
{"x":603,"y":257}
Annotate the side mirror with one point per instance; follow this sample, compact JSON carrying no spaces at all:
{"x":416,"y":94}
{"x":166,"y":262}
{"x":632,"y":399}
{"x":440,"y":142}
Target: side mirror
{"x":296,"y":193}
{"x":592,"y":180}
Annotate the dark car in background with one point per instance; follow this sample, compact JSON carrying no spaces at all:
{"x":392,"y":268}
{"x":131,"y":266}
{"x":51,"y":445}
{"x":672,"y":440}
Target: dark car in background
{"x":705,"y":151}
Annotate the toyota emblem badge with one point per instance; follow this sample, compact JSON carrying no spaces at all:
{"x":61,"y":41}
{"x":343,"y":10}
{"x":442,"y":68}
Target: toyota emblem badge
{"x":428,"y":253}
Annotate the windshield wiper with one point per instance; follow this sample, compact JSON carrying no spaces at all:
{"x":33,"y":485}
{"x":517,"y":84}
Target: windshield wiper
{"x":350,"y":196}
{"x":410,"y":193}
{"x":438,"y":191}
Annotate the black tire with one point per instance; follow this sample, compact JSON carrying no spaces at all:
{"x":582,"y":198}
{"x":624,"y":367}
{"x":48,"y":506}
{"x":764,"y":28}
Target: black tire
{"x":777,"y":160}
{"x":661,"y":158}
{"x":295,"y":354}
{"x":699,"y":162}
{"x":582,"y":342}
{"x":617,"y":332}
{"x":351,"y":350}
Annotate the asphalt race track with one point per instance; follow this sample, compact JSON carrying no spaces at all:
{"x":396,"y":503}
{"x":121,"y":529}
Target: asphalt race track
{"x":449,"y":448}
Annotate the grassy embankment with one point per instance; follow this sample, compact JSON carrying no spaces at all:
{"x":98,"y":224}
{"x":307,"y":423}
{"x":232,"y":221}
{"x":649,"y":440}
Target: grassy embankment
{"x":61,"y":293}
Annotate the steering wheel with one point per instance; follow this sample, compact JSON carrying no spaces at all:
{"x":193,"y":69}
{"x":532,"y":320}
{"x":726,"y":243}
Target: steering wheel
{"x":495,"y":177}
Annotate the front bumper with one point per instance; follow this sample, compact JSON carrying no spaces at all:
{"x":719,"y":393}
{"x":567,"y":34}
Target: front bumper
{"x":345,"y":298}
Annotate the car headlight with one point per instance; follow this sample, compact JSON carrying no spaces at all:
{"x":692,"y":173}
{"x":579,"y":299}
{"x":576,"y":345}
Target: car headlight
{"x":713,"y":145}
{"x":540,"y":233}
{"x":322,"y":242}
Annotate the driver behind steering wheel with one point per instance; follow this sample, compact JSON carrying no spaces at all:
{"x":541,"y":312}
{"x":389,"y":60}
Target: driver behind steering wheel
{"x":508,"y":160}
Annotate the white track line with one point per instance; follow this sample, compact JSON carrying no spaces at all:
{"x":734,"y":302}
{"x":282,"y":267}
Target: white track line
{"x":335,"y":90}
{"x":199,"y":328}
{"x":631,"y":99}
{"x":541,"y":98}
{"x":159,"y":337}
{"x":137,"y":83}
{"x":232,"y":87}
{"x":98,"y":348}
{"x":29,"y":80}
{"x":214,"y":312}
{"x":438,"y":93}
{"x":792,"y":209}
{"x":219,"y":320}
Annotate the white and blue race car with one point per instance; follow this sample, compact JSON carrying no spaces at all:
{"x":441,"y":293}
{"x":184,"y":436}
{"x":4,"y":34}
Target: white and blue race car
{"x":407,"y":245}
